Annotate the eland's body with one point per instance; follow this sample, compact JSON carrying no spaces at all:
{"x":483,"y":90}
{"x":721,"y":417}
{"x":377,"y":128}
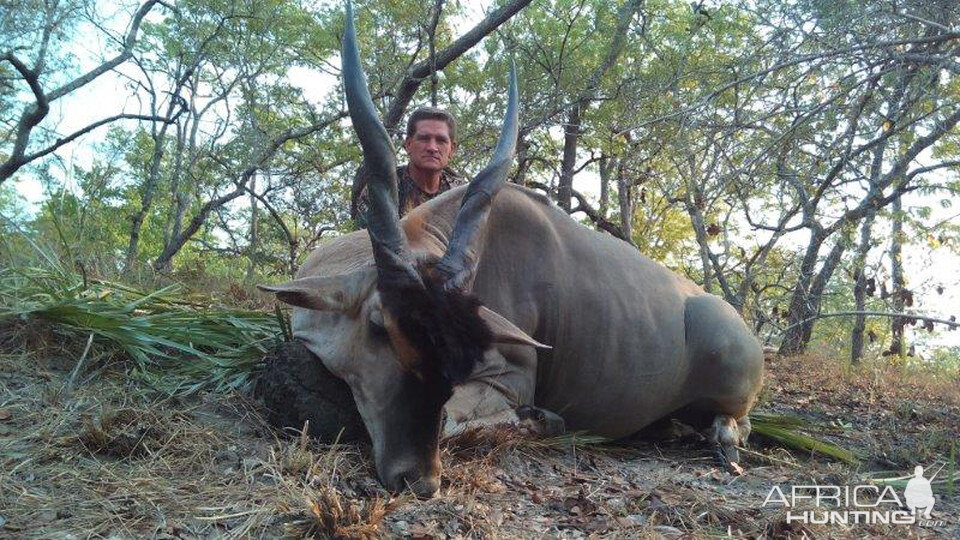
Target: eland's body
{"x":632,"y":342}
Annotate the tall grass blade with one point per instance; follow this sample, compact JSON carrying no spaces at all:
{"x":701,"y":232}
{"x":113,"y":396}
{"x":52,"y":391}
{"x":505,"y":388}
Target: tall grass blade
{"x":799,"y":434}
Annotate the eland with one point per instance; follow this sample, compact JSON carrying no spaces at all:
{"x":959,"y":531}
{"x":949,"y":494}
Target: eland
{"x":489,"y":304}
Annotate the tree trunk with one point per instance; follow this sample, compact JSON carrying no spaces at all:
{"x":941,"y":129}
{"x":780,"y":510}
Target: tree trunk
{"x":607,"y":165}
{"x":805,"y":303}
{"x":694,"y":204}
{"x":177,"y":199}
{"x":799,"y":309}
{"x":254,"y":240}
{"x":569,"y":161}
{"x":432,"y":42}
{"x":898,"y":341}
{"x":860,"y":289}
{"x":146,"y":202}
{"x":626,"y":203}
{"x":819,"y":284}
{"x":153,"y":178}
{"x":523,"y":161}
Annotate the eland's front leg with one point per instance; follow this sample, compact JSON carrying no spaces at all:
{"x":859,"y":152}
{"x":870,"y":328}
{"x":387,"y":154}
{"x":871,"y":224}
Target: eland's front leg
{"x":477,"y":405}
{"x":500,"y":393}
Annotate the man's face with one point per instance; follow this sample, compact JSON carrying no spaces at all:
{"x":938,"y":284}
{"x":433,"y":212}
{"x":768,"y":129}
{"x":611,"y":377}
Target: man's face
{"x":430,"y":147}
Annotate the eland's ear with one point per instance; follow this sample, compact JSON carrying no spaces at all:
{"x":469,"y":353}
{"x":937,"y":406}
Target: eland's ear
{"x":340,"y":292}
{"x":505,"y":331}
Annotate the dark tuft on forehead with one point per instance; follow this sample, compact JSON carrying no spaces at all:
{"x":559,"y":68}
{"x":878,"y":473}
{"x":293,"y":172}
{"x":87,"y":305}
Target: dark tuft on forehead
{"x":444,"y":326}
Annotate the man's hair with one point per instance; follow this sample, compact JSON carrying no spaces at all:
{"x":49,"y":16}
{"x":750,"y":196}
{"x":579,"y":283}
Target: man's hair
{"x":432,"y":113}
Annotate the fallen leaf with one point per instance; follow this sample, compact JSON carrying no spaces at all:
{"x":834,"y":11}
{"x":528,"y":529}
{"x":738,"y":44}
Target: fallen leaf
{"x":668,"y":530}
{"x":635,"y":520}
{"x":419,"y":531}
{"x":5,"y":414}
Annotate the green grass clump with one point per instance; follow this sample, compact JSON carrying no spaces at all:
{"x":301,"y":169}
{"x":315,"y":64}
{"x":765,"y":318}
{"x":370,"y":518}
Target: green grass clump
{"x":178,"y":344}
{"x":798,"y":434}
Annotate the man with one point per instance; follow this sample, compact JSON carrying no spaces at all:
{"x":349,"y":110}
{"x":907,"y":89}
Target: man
{"x":431,"y":140}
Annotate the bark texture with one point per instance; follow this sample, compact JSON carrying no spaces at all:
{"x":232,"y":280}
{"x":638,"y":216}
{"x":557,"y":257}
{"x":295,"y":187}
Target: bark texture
{"x":860,"y":290}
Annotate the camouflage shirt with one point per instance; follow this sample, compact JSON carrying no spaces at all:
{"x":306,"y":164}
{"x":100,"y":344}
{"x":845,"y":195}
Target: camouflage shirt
{"x":409,"y":193}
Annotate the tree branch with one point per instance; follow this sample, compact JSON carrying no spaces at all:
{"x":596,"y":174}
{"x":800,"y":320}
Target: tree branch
{"x":421,"y":70}
{"x":273,"y":212}
{"x":929,"y":168}
{"x":710,"y":96}
{"x":128,"y":43}
{"x":584,"y":206}
{"x":898,"y":170}
{"x":177,"y":243}
{"x":31,"y":77}
{"x":950,"y":323}
{"x":35,"y":113}
{"x":83,"y":131}
{"x":32,"y":115}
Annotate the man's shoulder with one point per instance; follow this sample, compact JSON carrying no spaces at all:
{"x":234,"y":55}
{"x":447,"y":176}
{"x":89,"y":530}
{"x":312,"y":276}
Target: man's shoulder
{"x":453,"y":178}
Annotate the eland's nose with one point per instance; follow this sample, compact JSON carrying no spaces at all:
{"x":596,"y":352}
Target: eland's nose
{"x":423,"y":486}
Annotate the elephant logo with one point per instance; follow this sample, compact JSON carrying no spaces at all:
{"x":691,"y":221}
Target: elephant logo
{"x":919,"y":494}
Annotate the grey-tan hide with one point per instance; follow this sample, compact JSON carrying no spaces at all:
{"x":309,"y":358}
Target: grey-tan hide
{"x":631,"y":340}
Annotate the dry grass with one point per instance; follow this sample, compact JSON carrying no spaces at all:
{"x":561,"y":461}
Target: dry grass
{"x":916,"y":409}
{"x":113,"y":458}
{"x":886,"y":379}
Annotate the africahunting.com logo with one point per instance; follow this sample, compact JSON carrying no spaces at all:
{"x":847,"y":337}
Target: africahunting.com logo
{"x":864,"y":504}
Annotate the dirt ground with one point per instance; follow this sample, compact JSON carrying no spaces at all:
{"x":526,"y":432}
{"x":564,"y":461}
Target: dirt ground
{"x":113,"y":459}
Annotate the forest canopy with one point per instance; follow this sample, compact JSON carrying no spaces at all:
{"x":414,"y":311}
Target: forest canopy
{"x":799,"y":159}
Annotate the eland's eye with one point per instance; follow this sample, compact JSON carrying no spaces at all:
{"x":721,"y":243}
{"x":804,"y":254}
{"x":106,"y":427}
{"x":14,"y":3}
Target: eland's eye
{"x":378,"y":330}
{"x":376,"y":324}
